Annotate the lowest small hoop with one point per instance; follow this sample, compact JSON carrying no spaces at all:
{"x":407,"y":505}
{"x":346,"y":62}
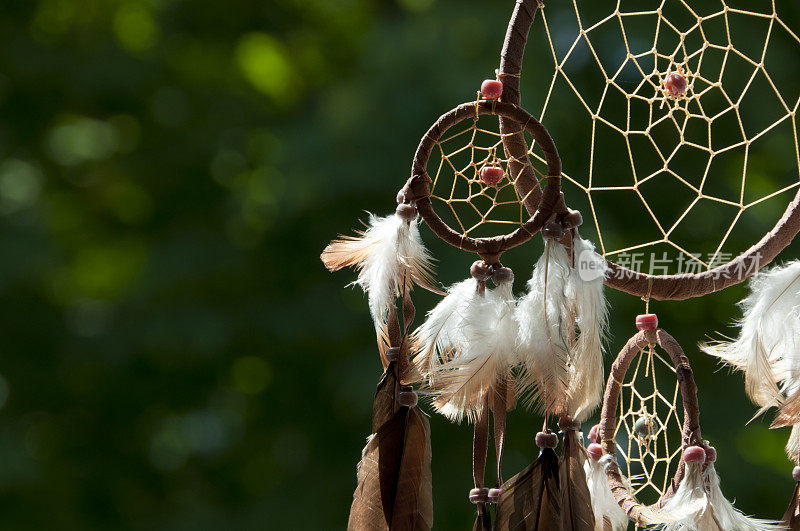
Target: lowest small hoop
{"x":691,"y":417}
{"x":418,"y":188}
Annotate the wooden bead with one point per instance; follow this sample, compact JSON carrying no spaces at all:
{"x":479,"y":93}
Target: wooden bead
{"x":407,"y":398}
{"x":493,"y":495}
{"x":568,"y":424}
{"x":572,"y":220}
{"x":694,"y":454}
{"x":711,"y":454}
{"x":491,"y":89}
{"x":796,"y":474}
{"x":595,"y":451}
{"x":553,"y":231}
{"x":401,"y":197}
{"x":647,"y":321}
{"x":492,"y":175}
{"x":479,"y":495}
{"x":502,"y":275}
{"x":407,"y":212}
{"x":480,"y":271}
{"x":594,"y":434}
{"x":546,"y":440}
{"x":392,"y":353}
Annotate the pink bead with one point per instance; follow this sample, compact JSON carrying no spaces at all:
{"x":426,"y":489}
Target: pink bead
{"x":595,"y":451}
{"x":694,"y":454}
{"x":594,"y":433}
{"x":492,"y":175}
{"x":711,"y":454}
{"x":647,"y":321}
{"x":676,"y":84}
{"x":480,"y":270}
{"x":491,"y":89}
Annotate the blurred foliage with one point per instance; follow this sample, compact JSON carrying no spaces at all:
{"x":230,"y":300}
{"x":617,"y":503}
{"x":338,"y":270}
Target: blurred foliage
{"x":174,"y":355}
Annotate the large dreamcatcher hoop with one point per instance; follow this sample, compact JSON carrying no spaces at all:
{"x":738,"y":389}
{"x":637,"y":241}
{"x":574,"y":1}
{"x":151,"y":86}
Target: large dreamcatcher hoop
{"x":675,"y":81}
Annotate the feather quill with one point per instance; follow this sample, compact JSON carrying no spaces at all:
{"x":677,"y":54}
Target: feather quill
{"x":387,"y":251}
{"x":608,"y":515}
{"x":466,"y":346}
{"x":766,"y":346}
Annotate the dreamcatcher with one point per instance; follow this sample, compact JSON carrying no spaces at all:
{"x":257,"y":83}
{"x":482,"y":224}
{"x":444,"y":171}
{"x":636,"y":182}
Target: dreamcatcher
{"x":671,"y":84}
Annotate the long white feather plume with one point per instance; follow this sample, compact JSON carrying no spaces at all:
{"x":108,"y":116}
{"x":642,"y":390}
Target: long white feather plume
{"x":689,"y":505}
{"x":562,"y":322}
{"x":588,"y":306}
{"x":543,"y":338}
{"x":465,"y":346}
{"x":386,"y":253}
{"x":699,"y":505}
{"x":608,"y":515}
{"x":770,"y":330}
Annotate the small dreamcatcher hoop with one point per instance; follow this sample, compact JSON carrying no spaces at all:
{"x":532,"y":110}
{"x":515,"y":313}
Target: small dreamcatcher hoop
{"x":418,"y":189}
{"x":609,"y":426}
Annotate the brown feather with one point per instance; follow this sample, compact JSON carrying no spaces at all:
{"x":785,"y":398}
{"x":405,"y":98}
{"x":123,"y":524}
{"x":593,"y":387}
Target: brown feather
{"x":576,"y":502}
{"x":792,"y":517}
{"x":347,"y":251}
{"x":789,"y":412}
{"x":394,"y":488}
{"x":385,"y":404}
{"x":531,"y":500}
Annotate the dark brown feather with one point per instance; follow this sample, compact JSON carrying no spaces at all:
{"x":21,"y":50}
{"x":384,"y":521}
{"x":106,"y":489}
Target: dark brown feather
{"x":531,"y":500}
{"x":394,"y":489}
{"x":576,"y":502}
{"x":385,"y":404}
{"x":792,"y":517}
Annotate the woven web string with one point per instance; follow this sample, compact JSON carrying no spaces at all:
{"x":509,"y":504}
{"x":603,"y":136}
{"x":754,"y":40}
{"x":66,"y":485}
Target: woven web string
{"x":471,"y":206}
{"x":686,"y":46}
{"x":649,"y":425}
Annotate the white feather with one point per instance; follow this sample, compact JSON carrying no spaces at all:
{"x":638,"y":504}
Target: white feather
{"x":688,"y":506}
{"x":389,"y":256}
{"x":604,"y":506}
{"x":561,"y":349}
{"x":543,"y":336}
{"x":766,"y":346}
{"x":699,"y":505}
{"x":467,"y":344}
{"x":588,"y":304}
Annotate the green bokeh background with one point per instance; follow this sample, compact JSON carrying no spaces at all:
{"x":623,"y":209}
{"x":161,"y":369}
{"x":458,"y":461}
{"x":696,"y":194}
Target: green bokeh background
{"x":174,"y":355}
